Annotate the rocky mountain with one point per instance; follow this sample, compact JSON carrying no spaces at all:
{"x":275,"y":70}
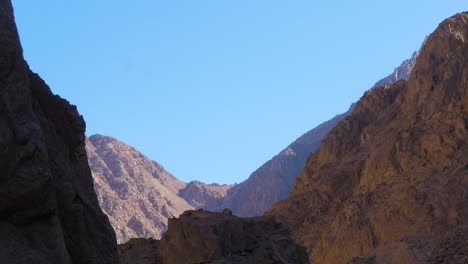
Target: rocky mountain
{"x":137,"y":194}
{"x":207,"y":237}
{"x":49,"y":212}
{"x":119,"y":169}
{"x":273,"y":180}
{"x":389,"y":182}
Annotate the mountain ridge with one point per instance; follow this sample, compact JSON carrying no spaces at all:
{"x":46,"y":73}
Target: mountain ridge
{"x":137,"y":194}
{"x":272,"y":181}
{"x":388,"y":183}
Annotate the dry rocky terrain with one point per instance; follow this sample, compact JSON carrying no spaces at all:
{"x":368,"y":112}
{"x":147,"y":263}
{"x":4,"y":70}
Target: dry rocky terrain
{"x":138,"y":194}
{"x":389,"y":183}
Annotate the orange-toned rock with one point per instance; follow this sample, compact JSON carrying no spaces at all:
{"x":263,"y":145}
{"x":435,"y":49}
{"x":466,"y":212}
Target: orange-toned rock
{"x":389,"y":182}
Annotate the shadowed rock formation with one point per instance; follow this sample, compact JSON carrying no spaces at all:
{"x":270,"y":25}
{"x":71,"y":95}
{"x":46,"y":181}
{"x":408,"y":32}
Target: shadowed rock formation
{"x":207,"y":237}
{"x":139,"y":251}
{"x":388,"y":184}
{"x":48,"y":209}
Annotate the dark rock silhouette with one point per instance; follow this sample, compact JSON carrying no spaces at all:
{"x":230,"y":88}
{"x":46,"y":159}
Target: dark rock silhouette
{"x":48,"y":209}
{"x":139,"y":251}
{"x":388,"y":184}
{"x":206,"y":237}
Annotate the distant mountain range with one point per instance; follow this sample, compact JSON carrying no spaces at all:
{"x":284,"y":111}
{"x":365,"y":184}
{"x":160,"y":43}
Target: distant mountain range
{"x":139,"y":195}
{"x":273,"y":180}
{"x":386,"y":185}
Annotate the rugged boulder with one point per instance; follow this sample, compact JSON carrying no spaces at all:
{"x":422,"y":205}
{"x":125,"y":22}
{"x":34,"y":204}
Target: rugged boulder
{"x":139,"y":251}
{"x":48,"y":209}
{"x":207,"y":237}
{"x":388,"y":184}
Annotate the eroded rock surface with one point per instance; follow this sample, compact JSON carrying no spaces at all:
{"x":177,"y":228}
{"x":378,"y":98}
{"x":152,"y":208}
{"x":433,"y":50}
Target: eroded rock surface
{"x":138,"y":194}
{"x":48,"y":209}
{"x":388,"y":184}
{"x":205,"y":237}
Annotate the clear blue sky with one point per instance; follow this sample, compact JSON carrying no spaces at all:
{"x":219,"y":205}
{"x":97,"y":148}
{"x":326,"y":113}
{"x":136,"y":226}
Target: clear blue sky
{"x":212,"y":89}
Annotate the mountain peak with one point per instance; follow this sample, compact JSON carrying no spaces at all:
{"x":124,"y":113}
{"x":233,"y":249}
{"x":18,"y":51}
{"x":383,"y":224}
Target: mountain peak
{"x":387,"y":182}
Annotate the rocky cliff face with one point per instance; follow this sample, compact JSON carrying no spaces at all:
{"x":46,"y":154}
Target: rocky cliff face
{"x":206,"y":237}
{"x":48,"y":209}
{"x":388,"y":184}
{"x":138,"y":194}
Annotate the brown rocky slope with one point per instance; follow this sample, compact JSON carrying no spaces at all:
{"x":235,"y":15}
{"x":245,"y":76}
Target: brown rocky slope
{"x":48,"y":209}
{"x":138,"y":194}
{"x":389,"y":183}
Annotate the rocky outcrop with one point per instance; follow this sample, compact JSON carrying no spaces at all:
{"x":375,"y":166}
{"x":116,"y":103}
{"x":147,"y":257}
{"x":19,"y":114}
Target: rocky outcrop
{"x":207,"y":237}
{"x":48,"y":209}
{"x":138,"y":194}
{"x":139,"y":251}
{"x":388,"y":184}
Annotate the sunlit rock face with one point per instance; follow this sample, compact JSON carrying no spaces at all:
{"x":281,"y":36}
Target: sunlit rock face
{"x":388,"y":184}
{"x":137,"y":194}
{"x":48,"y":209}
